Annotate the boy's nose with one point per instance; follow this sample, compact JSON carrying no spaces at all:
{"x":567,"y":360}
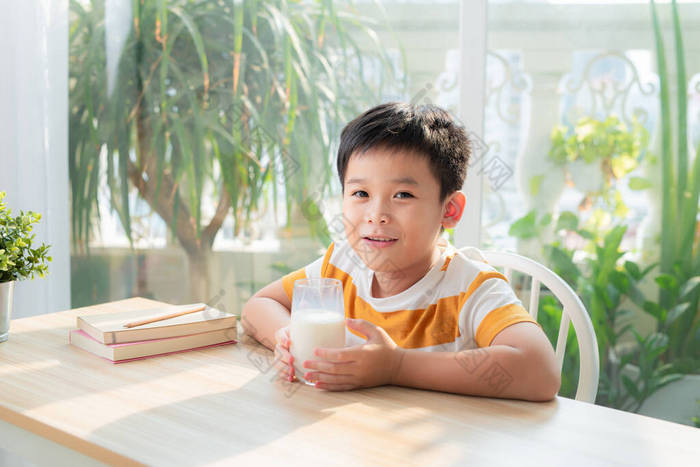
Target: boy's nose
{"x":377,"y":211}
{"x":377,"y":218}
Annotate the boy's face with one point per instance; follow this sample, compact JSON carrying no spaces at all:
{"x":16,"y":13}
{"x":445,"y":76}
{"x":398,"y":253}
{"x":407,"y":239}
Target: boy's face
{"x":391,"y":203}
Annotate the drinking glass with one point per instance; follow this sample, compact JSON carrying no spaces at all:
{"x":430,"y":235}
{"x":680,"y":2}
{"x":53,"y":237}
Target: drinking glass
{"x":318,"y":320}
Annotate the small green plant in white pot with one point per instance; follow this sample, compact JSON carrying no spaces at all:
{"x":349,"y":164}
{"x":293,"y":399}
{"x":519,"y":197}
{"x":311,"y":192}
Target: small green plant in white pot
{"x":18,"y":260}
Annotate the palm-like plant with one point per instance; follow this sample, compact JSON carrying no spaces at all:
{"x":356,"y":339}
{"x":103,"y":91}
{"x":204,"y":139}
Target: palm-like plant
{"x":680,"y":191}
{"x":239,"y":97}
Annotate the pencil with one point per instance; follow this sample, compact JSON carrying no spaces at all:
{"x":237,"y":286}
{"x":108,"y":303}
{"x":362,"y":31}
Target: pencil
{"x":199,"y":307}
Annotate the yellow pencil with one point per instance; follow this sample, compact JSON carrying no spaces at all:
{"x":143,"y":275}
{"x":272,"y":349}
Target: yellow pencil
{"x":168,"y":316}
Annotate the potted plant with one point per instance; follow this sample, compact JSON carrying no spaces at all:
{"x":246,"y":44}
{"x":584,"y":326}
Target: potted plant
{"x":607,"y":285}
{"x":239,"y":101}
{"x":677,"y":307}
{"x":598,"y":153}
{"x":18,"y":260}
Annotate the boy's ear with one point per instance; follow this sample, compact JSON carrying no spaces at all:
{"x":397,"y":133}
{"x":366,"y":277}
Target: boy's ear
{"x":453,"y":209}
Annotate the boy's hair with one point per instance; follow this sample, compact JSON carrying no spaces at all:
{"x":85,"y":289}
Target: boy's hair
{"x":425,"y":130}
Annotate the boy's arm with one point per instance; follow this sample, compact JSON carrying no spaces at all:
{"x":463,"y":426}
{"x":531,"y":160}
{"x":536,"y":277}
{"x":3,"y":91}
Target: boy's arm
{"x":519,"y":364}
{"x":266,"y":312}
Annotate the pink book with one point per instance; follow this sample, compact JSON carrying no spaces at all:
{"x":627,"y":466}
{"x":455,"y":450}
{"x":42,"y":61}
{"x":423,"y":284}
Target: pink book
{"x":130,"y":351}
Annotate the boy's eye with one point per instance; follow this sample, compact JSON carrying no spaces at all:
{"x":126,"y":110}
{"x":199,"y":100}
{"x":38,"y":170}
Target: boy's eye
{"x":359,"y":194}
{"x":404,"y":194}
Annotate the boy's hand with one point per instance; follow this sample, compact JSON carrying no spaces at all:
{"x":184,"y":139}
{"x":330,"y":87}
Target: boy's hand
{"x":283,"y":358}
{"x":374,"y":363}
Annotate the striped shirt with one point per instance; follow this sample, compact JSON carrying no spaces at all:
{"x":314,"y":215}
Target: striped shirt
{"x":461,"y":303}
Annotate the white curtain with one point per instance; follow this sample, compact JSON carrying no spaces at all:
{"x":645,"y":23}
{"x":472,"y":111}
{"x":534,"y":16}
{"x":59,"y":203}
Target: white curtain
{"x":34,"y":138}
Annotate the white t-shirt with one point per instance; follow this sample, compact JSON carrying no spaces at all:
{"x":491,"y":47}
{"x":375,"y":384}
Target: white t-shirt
{"x":461,"y":302}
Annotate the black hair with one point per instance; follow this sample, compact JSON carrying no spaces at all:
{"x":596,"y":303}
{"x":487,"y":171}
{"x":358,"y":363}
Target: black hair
{"x":426,"y":130}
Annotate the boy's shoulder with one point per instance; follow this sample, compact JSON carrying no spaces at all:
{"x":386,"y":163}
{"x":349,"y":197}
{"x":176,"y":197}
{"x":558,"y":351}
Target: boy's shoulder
{"x":466,"y":262}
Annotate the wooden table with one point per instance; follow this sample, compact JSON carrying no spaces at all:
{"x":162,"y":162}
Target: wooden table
{"x":225,"y":405}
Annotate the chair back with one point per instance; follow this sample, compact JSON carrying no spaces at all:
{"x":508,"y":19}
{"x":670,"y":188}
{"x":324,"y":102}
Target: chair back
{"x":573,"y":312}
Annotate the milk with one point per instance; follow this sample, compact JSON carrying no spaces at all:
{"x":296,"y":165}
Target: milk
{"x":313,"y":328}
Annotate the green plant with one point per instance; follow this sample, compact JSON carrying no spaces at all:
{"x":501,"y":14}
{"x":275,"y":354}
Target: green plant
{"x":680,"y":299}
{"x":242,"y":100}
{"x":529,"y":226}
{"x":615,"y":146}
{"x":652,"y":375}
{"x":549,"y":316}
{"x":680,"y":192}
{"x":609,"y":142}
{"x":18,"y":260}
{"x":603,"y":280}
{"x":605,"y":284}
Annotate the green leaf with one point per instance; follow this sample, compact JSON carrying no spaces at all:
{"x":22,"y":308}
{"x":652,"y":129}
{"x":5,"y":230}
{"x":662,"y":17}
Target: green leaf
{"x":682,"y":106}
{"x":676,"y":312}
{"x":563,"y":264}
{"x":568,"y":221}
{"x":689,"y":288}
{"x":648,"y":269}
{"x":613,"y":239}
{"x":630,"y":386}
{"x":667,"y":379}
{"x":546,"y":220}
{"x":633,"y":270}
{"x":196,"y":39}
{"x":668,"y":185}
{"x":536,"y":184}
{"x":602,"y":294}
{"x":639,"y":183}
{"x":636,"y":295}
{"x":620,"y":281}
{"x":654,"y":309}
{"x":623,"y":331}
{"x":524,"y":227}
{"x":666,"y":281}
{"x":588,"y":235}
{"x":655,"y":348}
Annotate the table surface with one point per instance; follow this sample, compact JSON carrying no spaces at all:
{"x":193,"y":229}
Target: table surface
{"x":226,"y":403}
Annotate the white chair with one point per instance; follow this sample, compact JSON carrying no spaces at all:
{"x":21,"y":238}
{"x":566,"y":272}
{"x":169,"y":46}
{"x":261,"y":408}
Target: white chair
{"x":573,"y":311}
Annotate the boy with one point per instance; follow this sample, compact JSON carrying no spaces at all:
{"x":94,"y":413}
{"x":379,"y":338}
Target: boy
{"x":419,"y":314}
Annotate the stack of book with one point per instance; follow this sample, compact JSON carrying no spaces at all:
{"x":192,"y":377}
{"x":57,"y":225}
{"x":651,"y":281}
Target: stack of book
{"x":135,"y":334}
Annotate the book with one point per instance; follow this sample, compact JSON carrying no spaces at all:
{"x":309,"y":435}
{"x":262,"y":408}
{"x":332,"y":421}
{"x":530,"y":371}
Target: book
{"x":130,"y":351}
{"x":108,"y":328}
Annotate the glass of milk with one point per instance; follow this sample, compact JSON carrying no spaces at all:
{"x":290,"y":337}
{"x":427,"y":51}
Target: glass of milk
{"x":318,"y":320}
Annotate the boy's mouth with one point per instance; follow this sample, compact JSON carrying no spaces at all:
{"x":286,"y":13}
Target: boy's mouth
{"x":379,"y":241}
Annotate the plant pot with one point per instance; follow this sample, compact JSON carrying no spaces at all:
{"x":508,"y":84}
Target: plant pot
{"x":6,"y":293}
{"x":675,"y":402}
{"x":586,"y":177}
